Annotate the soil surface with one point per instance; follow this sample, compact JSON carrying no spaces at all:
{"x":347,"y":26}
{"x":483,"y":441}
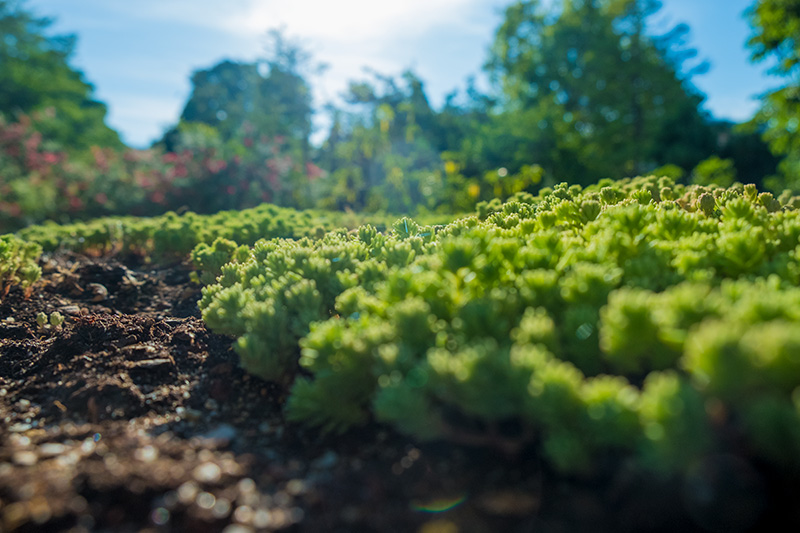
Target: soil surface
{"x":131,"y":416}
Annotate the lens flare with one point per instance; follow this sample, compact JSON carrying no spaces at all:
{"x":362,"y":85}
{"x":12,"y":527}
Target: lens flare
{"x":438,"y":505}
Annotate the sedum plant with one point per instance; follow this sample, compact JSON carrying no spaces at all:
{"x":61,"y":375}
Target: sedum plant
{"x":18,"y":263}
{"x":591,"y":323}
{"x":174,"y":236}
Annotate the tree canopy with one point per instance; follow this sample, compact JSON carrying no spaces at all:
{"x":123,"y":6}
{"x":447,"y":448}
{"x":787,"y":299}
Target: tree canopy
{"x":35,"y":75}
{"x":588,"y":90}
{"x":270,"y":96}
{"x":776,"y":38}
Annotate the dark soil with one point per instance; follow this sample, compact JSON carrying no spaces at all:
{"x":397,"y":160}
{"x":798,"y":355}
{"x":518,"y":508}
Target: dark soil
{"x":131,"y":416}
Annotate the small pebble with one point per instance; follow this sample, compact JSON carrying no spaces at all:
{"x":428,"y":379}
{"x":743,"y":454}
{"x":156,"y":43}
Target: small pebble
{"x":98,"y":292}
{"x":207,"y":473}
{"x":19,"y":441}
{"x":25,"y":458}
{"x":51,"y":449}
{"x":246,"y":485}
{"x":243,"y":514}
{"x":146,"y":454}
{"x":187,"y":492}
{"x":88,"y":446}
{"x":262,"y":519}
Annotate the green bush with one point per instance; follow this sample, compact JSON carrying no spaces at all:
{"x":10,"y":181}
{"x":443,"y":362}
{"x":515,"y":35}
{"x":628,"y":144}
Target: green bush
{"x":18,"y":263}
{"x":598,"y":322}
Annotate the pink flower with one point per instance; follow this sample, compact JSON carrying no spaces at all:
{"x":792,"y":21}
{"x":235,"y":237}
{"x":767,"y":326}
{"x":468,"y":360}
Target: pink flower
{"x":32,"y":142}
{"x":313,"y":171}
{"x":216,"y":166}
{"x":180,"y":171}
{"x":13,"y":210}
{"x":100,"y":158}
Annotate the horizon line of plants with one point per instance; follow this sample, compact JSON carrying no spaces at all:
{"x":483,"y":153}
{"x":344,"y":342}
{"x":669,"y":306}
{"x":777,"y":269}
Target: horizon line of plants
{"x":41,"y":182}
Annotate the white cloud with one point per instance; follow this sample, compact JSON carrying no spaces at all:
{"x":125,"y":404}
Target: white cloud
{"x":342,"y":21}
{"x":347,"y":21}
{"x":347,"y":35}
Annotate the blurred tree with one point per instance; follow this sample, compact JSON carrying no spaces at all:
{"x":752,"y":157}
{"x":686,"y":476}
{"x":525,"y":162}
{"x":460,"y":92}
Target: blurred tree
{"x":269,"y":97}
{"x":467,"y":133}
{"x":35,"y":75}
{"x":751,"y":155}
{"x":776,"y":37}
{"x":383,"y":151}
{"x":224,"y":97}
{"x":714,"y":170}
{"x":589,"y":91}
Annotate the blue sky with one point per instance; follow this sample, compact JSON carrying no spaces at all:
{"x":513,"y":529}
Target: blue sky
{"x":140,"y":55}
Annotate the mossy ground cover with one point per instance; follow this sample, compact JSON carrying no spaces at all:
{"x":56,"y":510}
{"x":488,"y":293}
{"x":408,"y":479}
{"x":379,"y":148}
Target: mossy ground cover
{"x":616,"y":358}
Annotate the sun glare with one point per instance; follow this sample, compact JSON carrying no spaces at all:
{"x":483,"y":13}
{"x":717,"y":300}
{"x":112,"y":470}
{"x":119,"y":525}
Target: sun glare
{"x":348,"y":20}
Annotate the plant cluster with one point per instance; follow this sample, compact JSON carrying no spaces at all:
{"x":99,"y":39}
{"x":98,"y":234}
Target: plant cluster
{"x":54,"y":319}
{"x":630,"y":319}
{"x":174,"y":236}
{"x":18,"y":263}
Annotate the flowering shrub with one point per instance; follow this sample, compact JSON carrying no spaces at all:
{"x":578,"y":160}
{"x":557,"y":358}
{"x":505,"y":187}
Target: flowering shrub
{"x":207,"y":175}
{"x":40,"y":181}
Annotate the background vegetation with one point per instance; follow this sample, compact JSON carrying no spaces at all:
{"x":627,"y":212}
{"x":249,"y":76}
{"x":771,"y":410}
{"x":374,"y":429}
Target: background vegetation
{"x":584,"y":91}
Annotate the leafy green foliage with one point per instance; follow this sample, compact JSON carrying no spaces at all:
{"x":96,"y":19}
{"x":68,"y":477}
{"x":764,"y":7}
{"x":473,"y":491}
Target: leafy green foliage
{"x":36,"y":77}
{"x":173,"y":236}
{"x":600,"y":323}
{"x":774,"y":37}
{"x":18,"y":263}
{"x":714,"y":171}
{"x":269,"y":96}
{"x":589,"y":91}
{"x":42,"y":181}
{"x":385,"y":153}
{"x":583,"y":91}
